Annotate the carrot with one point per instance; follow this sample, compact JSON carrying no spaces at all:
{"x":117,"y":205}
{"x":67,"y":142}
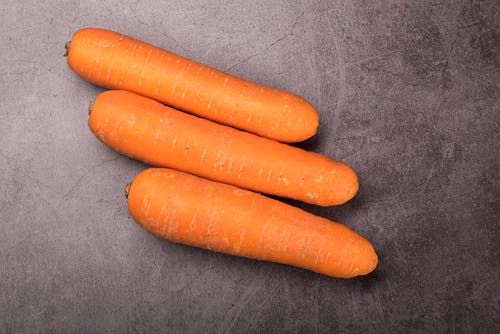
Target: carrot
{"x":164,"y":137}
{"x":186,"y":209}
{"x":117,"y":61}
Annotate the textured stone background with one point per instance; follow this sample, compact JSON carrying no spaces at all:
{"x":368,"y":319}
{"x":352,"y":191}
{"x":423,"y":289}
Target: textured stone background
{"x":409,"y":95}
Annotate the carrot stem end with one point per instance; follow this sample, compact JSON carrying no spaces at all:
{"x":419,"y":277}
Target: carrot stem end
{"x":127,"y":189}
{"x":67,"y":46}
{"x":91,"y":106}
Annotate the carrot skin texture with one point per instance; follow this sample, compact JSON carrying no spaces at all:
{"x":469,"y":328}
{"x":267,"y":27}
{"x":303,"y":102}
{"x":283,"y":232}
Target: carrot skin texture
{"x":186,"y":209}
{"x":116,"y":61}
{"x":164,"y":137}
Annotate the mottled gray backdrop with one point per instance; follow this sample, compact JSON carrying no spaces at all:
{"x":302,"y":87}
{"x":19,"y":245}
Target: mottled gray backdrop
{"x":408,"y":93}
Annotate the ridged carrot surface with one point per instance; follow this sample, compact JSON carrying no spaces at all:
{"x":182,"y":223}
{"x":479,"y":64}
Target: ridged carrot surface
{"x":164,"y":137}
{"x":116,"y":61}
{"x":193,"y":211}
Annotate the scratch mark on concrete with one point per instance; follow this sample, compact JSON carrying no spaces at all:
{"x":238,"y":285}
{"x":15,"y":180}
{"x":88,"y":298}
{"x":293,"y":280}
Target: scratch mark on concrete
{"x":80,"y":179}
{"x":316,"y":305}
{"x":268,"y":299}
{"x":288,"y":34}
{"x":469,"y":25}
{"x":364,"y":60}
{"x":446,"y":62}
{"x":429,"y":176}
{"x":235,"y":312}
{"x":165,"y":35}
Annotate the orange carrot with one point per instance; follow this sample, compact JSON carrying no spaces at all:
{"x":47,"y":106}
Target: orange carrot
{"x":193,"y":211}
{"x":164,"y":137}
{"x":117,"y":61}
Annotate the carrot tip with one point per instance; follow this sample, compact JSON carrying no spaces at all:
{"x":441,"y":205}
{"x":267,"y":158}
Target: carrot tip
{"x":67,"y":46}
{"x":127,"y":189}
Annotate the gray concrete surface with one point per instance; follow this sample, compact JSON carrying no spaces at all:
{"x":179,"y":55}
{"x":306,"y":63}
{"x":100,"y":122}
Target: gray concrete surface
{"x":408,"y":93}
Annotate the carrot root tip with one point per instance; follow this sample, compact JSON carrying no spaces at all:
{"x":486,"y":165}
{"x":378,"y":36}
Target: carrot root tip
{"x":127,"y":189}
{"x":67,"y":46}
